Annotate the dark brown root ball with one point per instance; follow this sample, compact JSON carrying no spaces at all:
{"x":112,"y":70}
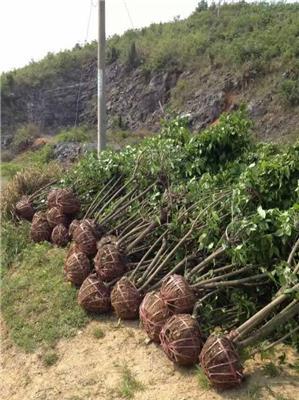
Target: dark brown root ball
{"x":52,"y":198}
{"x":221,"y":363}
{"x":77,"y":268}
{"x":73,"y":225}
{"x":109,"y":263}
{"x":72,"y":249}
{"x":24,"y":208}
{"x":85,"y":239}
{"x":40,"y":229}
{"x":65,"y":199}
{"x":125,"y":299}
{"x":55,"y":217}
{"x":96,"y":228}
{"x":153,"y":314}
{"x":181,"y":339}
{"x":60,"y":235}
{"x":94,"y":296}
{"x":107,"y":239}
{"x":177,"y":294}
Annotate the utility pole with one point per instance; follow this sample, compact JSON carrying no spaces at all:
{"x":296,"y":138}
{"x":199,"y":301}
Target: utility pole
{"x":101,"y":78}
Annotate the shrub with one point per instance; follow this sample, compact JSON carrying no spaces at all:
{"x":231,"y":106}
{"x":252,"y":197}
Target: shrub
{"x":24,"y":137}
{"x":290,"y":91}
{"x":79,"y":134}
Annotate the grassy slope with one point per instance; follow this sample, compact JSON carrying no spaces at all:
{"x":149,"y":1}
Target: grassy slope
{"x":39,"y":307}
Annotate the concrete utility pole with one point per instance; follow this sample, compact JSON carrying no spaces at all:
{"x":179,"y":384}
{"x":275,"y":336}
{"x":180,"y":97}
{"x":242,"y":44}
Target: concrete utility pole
{"x":101,"y":79}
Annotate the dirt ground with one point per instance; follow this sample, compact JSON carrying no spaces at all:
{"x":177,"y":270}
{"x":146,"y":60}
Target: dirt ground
{"x":91,"y":368}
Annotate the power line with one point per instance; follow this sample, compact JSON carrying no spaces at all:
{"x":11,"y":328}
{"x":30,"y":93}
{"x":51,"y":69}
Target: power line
{"x":91,"y":6}
{"x":128,"y":12}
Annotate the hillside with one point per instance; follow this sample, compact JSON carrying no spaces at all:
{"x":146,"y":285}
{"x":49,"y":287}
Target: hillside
{"x":213,"y":61}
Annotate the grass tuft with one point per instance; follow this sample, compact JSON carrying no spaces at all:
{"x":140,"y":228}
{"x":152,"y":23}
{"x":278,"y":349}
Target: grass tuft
{"x":203,"y":381}
{"x":129,"y":384}
{"x":98,"y":333}
{"x":50,"y":358}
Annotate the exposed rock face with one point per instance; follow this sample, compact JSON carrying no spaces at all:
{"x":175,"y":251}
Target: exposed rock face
{"x":137,"y":100}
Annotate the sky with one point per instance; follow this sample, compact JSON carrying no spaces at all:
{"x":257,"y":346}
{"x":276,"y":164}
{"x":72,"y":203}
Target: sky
{"x":29,"y":29}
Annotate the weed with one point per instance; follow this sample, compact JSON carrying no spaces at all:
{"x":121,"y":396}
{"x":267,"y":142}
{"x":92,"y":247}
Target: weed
{"x":129,"y":384}
{"x":98,"y":333}
{"x":203,"y":381}
{"x":271,"y":370}
{"x":50,"y":358}
{"x":254,"y":392}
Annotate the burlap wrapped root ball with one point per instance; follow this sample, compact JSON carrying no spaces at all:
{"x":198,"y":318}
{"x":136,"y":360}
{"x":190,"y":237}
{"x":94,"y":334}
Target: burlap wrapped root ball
{"x":77,"y":268}
{"x":221,"y":363}
{"x":73,"y":225}
{"x":65,"y":199}
{"x":107,"y":239}
{"x":72,"y":249}
{"x":153,"y":314}
{"x":24,"y":208}
{"x":94,"y":296}
{"x":85,"y":239}
{"x":55,"y":217}
{"x":109,"y":263}
{"x":125,"y":299}
{"x":181,"y":339}
{"x":177,"y":294}
{"x":96,"y":228}
{"x":60,"y":235}
{"x":40,"y":229}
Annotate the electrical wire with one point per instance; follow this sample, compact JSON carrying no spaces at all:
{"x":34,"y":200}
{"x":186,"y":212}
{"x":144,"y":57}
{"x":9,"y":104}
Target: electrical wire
{"x":128,"y":12}
{"x":91,"y":6}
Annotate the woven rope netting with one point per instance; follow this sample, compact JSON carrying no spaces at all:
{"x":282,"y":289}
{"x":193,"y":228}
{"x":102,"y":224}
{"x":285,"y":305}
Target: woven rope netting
{"x":221,"y":363}
{"x":65,"y":199}
{"x":177,"y":294}
{"x":125,"y":299}
{"x":60,"y":235}
{"x":94,"y":296}
{"x":40,"y":229}
{"x":153,"y":314}
{"x":181,"y":339}
{"x":85,"y":239}
{"x":109,"y":263}
{"x":108,"y":239}
{"x":73,"y":225}
{"x":55,"y":217}
{"x":24,"y":208}
{"x":77,"y":268}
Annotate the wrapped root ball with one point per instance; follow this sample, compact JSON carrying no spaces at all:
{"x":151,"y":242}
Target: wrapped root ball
{"x":109,"y":263}
{"x":60,"y":235}
{"x":94,"y":296}
{"x":40,"y":229}
{"x":52,"y":198}
{"x":181,"y":339}
{"x":221,"y":363}
{"x":107,"y":239}
{"x":72,"y":249}
{"x":24,"y":208}
{"x":125,"y":299}
{"x":153,"y":314}
{"x":96,"y":228}
{"x":73,"y":225}
{"x":177,"y":294}
{"x":65,"y":199}
{"x":55,"y":217}
{"x":85,"y":239}
{"x":77,"y":268}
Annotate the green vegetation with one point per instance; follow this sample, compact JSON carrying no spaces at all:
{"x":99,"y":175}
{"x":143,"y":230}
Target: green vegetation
{"x":259,"y":36}
{"x":24,"y":137}
{"x":38,"y":306}
{"x":98,"y":333}
{"x":203,"y":381}
{"x":129,"y":384}
{"x":50,"y":358}
{"x":79,"y":135}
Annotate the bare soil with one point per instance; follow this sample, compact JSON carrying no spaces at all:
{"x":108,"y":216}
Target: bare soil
{"x":91,"y":368}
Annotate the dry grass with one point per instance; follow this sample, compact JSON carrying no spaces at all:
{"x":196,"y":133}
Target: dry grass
{"x":26,"y":182}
